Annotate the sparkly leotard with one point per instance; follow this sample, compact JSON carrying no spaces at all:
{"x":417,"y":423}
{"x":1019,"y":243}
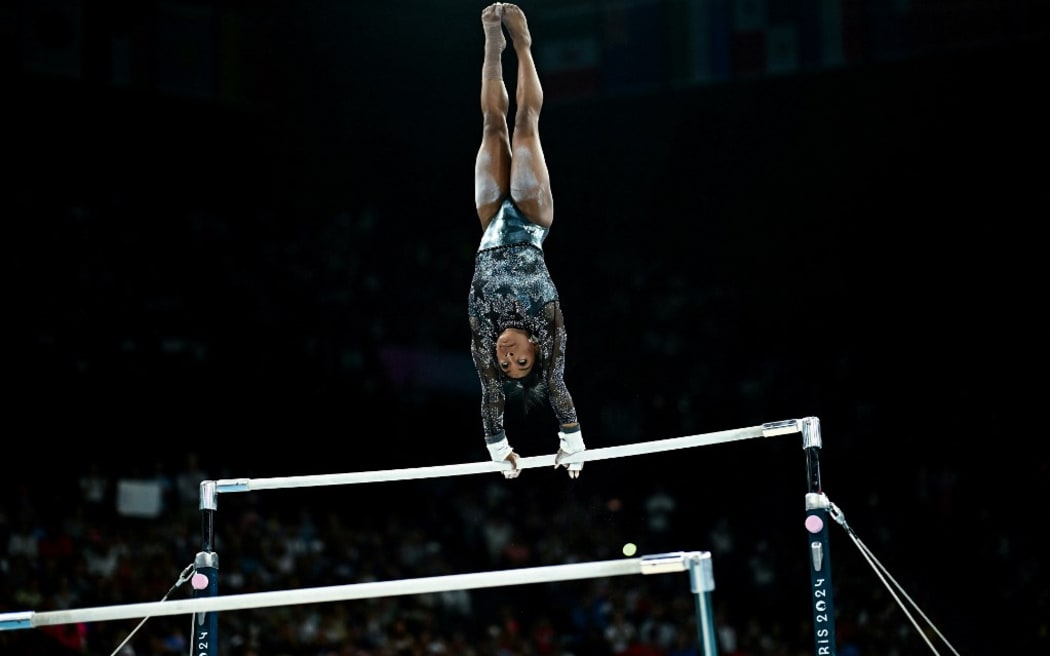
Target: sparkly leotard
{"x":512,"y":288}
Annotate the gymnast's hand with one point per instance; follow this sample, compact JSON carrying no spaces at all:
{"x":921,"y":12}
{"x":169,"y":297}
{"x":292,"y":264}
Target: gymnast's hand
{"x":501,"y":451}
{"x":514,"y":471}
{"x":570,"y":442}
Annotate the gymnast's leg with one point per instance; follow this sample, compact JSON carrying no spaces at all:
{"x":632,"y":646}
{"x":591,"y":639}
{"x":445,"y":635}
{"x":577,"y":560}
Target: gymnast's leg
{"x":492,"y":166}
{"x":530,"y":185}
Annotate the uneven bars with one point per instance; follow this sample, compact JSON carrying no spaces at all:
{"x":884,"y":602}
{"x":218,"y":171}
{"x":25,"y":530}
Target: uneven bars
{"x":769,"y":429}
{"x":655,"y":564}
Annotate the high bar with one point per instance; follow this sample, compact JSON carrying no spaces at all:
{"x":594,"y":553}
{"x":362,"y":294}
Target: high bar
{"x":677,"y":561}
{"x":768,"y":429}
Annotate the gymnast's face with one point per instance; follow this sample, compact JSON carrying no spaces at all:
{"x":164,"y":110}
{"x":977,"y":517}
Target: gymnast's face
{"x":515,"y":353}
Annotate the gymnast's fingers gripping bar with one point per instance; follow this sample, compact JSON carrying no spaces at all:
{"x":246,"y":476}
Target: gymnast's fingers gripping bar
{"x":704,"y":439}
{"x":693,"y":561}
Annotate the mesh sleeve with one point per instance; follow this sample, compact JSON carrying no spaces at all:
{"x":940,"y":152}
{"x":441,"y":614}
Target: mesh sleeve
{"x":493,"y":398}
{"x":560,"y":399}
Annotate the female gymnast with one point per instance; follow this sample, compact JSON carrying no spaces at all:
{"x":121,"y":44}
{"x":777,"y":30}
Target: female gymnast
{"x":516,"y":321}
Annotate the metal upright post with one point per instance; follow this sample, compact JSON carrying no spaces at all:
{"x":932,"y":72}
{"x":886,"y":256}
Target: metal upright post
{"x":702,"y":582}
{"x":205,"y":639}
{"x":817,"y":513}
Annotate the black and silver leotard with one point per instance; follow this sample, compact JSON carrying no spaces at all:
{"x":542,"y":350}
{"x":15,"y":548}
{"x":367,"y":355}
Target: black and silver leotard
{"x":512,"y":288}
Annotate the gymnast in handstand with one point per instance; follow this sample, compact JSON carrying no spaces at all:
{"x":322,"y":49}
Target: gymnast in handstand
{"x":516,"y":321}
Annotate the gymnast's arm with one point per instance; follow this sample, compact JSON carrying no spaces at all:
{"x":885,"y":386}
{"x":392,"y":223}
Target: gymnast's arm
{"x":554,"y":366}
{"x":492,"y":400}
{"x":570,"y":437}
{"x":493,"y":397}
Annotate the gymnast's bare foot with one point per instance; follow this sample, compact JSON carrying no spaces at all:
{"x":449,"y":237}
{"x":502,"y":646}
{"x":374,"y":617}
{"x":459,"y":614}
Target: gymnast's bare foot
{"x":517,"y":26}
{"x":490,"y":22}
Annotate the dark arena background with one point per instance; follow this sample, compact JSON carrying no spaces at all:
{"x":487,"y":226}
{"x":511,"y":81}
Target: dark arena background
{"x":239,"y":238}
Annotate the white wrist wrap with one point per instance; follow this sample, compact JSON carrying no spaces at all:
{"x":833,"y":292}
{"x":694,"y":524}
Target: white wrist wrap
{"x":571,"y":442}
{"x":499,"y":451}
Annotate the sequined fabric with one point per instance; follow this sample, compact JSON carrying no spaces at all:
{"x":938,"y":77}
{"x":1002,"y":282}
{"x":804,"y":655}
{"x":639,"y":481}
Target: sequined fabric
{"x":512,"y":288}
{"x":510,"y":227}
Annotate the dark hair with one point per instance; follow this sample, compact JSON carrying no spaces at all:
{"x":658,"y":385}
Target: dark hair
{"x":530,"y":390}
